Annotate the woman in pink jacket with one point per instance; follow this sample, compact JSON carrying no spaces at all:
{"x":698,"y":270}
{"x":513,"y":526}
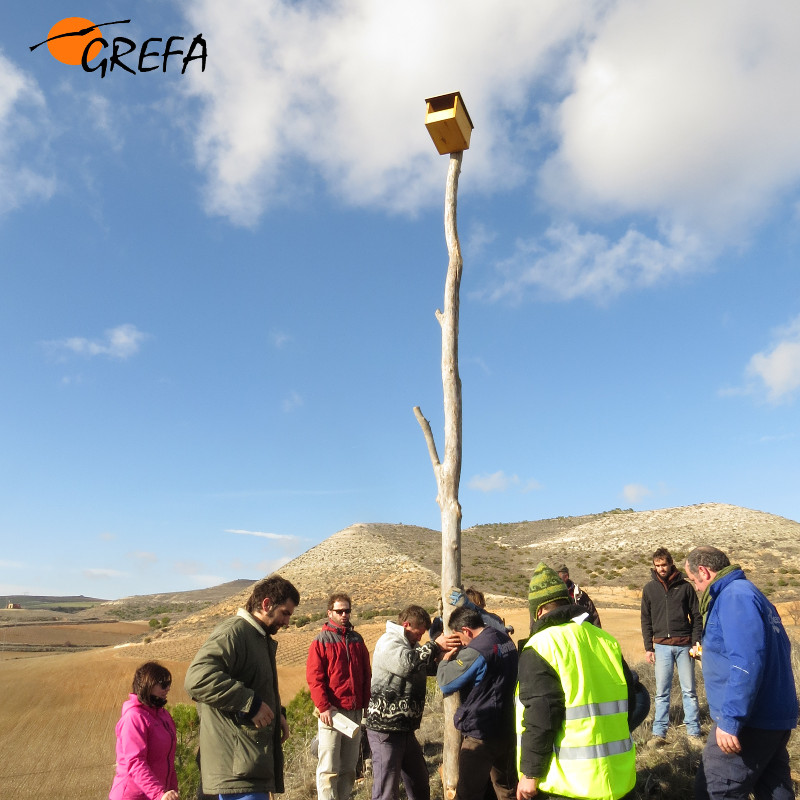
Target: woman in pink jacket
{"x":146,"y":740}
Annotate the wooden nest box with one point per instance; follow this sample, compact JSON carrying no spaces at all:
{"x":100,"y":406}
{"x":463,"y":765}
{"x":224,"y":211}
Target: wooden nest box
{"x":448,"y":122}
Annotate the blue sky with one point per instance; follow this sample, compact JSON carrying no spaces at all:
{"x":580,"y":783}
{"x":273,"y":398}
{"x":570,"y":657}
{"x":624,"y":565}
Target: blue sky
{"x":217,"y":289}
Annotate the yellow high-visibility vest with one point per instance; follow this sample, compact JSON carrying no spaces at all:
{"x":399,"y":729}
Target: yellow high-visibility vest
{"x":593,"y":754}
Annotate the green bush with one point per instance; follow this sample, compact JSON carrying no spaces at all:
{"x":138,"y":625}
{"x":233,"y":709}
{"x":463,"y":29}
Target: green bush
{"x":187,"y":726}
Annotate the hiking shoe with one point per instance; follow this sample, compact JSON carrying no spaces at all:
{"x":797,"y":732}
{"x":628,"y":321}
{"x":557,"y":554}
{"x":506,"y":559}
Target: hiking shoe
{"x":696,"y":742}
{"x":657,"y":741}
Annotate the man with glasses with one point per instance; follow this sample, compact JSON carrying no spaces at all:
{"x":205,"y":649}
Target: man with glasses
{"x":338,"y":675}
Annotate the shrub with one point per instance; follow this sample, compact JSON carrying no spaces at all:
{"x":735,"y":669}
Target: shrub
{"x":187,"y":726}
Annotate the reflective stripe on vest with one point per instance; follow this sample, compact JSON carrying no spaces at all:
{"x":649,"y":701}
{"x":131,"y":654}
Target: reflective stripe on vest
{"x":593,"y":752}
{"x":598,"y":709}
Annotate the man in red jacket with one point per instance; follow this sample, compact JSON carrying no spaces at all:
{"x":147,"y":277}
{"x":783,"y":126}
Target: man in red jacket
{"x":338,"y":675}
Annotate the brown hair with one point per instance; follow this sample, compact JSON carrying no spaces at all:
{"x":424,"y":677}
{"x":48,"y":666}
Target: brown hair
{"x":662,"y":552}
{"x":276,"y":589}
{"x":417,"y":616}
{"x":146,"y":677}
{"x":475,"y":596}
{"x":339,"y":596}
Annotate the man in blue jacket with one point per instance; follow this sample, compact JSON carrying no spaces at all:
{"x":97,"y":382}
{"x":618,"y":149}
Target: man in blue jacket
{"x":749,"y":684}
{"x":484,"y":671}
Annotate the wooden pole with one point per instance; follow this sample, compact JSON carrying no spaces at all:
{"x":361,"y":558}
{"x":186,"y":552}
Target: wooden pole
{"x":448,"y":472}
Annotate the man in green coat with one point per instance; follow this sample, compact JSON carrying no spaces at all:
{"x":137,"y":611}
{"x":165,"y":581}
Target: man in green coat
{"x":234,"y":681}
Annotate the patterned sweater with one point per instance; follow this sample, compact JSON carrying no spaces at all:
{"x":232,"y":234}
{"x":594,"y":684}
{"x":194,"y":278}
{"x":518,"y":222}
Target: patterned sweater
{"x":399,"y":677}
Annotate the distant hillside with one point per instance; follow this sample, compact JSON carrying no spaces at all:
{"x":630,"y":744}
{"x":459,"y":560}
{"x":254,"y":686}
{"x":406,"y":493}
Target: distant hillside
{"x":385,"y":566}
{"x":66,"y":603}
{"x":173,"y":604}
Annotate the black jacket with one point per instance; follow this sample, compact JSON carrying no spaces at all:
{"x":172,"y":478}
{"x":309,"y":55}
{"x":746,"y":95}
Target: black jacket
{"x":580,"y":597}
{"x":670,"y":611}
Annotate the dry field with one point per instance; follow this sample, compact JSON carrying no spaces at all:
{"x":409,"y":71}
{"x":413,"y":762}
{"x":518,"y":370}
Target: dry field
{"x":88,"y":634}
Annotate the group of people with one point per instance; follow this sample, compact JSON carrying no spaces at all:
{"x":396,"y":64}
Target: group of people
{"x":548,"y":717}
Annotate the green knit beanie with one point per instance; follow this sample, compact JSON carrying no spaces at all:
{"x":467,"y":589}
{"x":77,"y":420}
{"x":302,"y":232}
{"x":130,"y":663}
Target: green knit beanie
{"x":545,"y":586}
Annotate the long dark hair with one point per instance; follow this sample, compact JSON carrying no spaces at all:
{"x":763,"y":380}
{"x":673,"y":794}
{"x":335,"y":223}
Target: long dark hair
{"x":146,"y":677}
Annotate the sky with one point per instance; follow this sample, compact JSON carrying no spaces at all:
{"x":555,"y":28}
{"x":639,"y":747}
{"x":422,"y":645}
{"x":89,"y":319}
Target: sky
{"x":218,"y":285}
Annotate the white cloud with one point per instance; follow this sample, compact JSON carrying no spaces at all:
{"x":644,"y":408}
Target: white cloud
{"x":684,"y":111}
{"x":207,"y":581}
{"x":500,"y":482}
{"x":565,"y":264}
{"x":120,"y":343}
{"x":778,"y":368}
{"x":273,"y":565}
{"x":99,"y":573}
{"x":22,"y":120}
{"x":11,"y":564}
{"x":340,"y":89}
{"x":261,"y":534}
{"x":634,"y":493}
{"x":677,"y":118}
{"x":280,"y":339}
{"x":292,"y":401}
{"x":187,"y":567}
{"x":143,"y":558}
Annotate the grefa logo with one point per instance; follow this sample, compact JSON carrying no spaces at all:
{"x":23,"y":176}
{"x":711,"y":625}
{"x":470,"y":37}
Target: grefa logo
{"x":76,"y":40}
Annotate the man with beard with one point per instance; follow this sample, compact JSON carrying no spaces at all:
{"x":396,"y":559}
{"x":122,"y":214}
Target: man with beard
{"x":671,"y":624}
{"x":234,"y":680}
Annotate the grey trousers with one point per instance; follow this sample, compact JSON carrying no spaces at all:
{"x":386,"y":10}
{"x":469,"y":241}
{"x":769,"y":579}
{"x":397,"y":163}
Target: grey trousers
{"x":397,"y":756}
{"x":761,"y":768}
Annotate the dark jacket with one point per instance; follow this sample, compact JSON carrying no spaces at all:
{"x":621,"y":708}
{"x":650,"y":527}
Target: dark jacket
{"x":580,"y":597}
{"x":542,"y":695}
{"x":747,"y":666}
{"x":670,"y":612}
{"x":485,"y":672}
{"x":337,"y":669}
{"x":229,"y":678}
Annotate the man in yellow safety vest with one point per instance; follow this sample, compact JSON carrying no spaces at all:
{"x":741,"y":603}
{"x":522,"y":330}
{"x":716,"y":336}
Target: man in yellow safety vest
{"x":573,"y":699}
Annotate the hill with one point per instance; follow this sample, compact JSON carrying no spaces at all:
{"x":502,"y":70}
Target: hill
{"x":64,"y":604}
{"x":144,"y":606}
{"x":385,"y":566}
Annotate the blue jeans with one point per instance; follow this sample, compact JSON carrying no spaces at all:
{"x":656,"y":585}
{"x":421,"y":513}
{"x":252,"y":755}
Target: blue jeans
{"x":667,"y":657}
{"x":245,"y":796}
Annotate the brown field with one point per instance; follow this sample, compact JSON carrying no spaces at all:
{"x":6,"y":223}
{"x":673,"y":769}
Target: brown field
{"x":87,"y":634}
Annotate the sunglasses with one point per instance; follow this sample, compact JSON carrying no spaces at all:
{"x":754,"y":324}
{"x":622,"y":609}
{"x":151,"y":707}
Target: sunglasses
{"x":341,"y":610}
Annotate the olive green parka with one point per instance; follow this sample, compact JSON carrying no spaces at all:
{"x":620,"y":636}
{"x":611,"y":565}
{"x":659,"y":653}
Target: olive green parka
{"x":235,"y":666}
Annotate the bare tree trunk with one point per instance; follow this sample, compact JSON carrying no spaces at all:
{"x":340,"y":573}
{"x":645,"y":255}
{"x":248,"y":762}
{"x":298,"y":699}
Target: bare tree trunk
{"x":448,"y":472}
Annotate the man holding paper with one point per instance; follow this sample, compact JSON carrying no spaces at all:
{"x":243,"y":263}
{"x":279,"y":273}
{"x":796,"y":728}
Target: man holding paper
{"x":338,"y":675}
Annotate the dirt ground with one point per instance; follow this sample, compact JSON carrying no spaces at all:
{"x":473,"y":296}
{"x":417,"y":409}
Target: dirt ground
{"x":91,"y":634}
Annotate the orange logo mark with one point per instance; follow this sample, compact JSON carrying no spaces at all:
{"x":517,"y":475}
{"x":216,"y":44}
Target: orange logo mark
{"x":69,"y":38}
